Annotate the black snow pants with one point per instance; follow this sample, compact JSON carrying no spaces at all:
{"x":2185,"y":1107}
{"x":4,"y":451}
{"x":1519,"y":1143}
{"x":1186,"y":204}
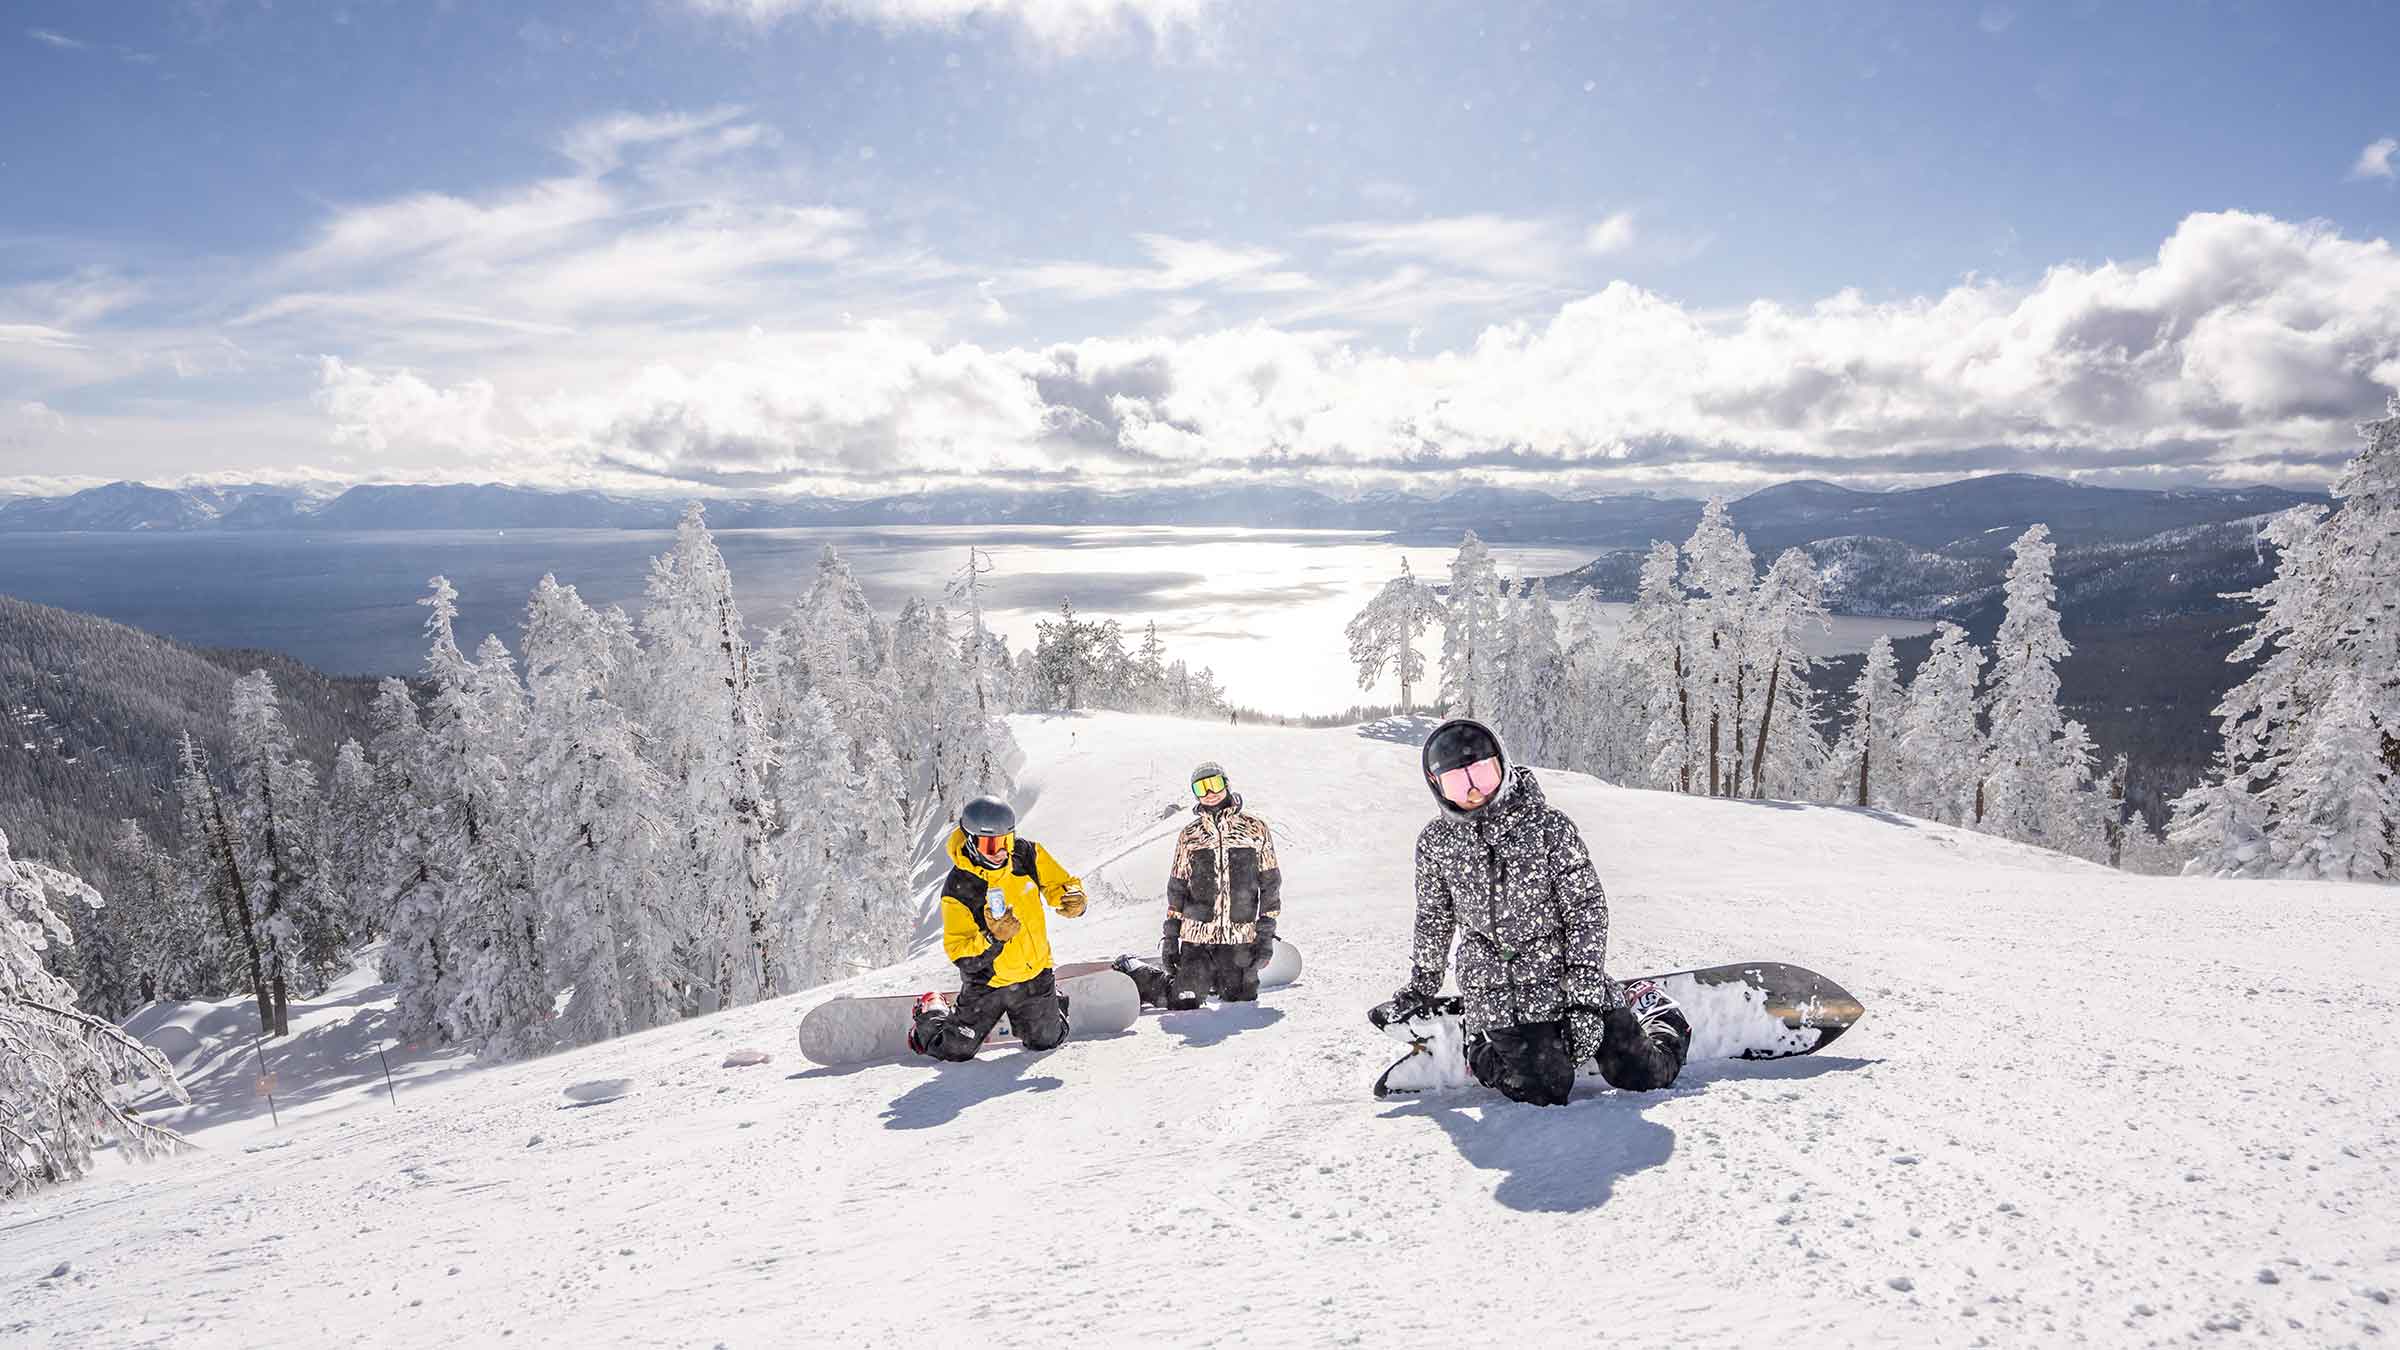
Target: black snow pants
{"x":1535,"y":1062}
{"x":1204,"y":969}
{"x":1035,"y":1010}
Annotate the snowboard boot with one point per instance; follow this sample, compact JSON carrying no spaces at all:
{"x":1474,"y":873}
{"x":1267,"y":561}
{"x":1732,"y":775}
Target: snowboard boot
{"x":932,"y":1012}
{"x":1153,"y":984}
{"x":1645,"y":1039}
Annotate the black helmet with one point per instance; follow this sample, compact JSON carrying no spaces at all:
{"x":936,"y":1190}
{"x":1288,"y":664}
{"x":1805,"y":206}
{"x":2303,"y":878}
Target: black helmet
{"x":987,"y":817}
{"x":1455,"y":744}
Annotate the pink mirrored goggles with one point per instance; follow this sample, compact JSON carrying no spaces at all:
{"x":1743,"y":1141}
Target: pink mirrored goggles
{"x":1481,"y":776}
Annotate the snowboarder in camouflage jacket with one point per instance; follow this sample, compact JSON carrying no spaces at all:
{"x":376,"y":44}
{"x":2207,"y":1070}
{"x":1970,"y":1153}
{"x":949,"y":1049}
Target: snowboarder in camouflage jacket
{"x":1224,"y":897}
{"x":1507,"y":874}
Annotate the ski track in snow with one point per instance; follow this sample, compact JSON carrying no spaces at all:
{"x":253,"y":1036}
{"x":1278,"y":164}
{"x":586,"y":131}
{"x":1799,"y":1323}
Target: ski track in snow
{"x":2083,"y":1108}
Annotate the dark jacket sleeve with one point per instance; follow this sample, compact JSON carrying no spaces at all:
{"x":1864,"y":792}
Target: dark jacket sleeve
{"x":1270,"y":884}
{"x":1583,"y":915}
{"x":1437,"y":923}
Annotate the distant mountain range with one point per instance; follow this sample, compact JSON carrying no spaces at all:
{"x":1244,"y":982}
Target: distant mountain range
{"x":1975,"y":517}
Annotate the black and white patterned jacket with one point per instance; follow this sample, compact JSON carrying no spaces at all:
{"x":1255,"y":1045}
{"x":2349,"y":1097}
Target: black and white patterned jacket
{"x":1514,"y":883}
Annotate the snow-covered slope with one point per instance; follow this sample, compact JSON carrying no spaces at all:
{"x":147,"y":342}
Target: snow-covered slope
{"x":2083,"y":1107}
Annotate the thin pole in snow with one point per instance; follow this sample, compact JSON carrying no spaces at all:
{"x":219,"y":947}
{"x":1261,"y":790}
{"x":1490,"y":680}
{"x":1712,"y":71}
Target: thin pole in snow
{"x":266,"y":1082}
{"x":387,"y":1078}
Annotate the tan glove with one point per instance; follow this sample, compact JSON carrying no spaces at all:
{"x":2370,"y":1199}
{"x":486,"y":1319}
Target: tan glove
{"x":1004,"y":927}
{"x":1071,"y":901}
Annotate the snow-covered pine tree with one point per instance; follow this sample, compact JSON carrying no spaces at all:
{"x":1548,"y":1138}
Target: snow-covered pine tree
{"x":1720,"y":575}
{"x":1063,"y":654}
{"x":1471,"y":638}
{"x":1787,"y":754}
{"x":2333,"y":805}
{"x":58,"y":1063}
{"x":1866,"y":761}
{"x":1653,"y":651}
{"x":1941,"y":745}
{"x":411,"y":895}
{"x":593,"y":820}
{"x":1383,"y":636}
{"x":2328,"y":647}
{"x":2033,"y":778}
{"x":713,"y":748}
{"x":303,"y":934}
{"x":345,"y":850}
{"x":1528,"y":711}
{"x":162,"y":928}
{"x":1149,"y":672}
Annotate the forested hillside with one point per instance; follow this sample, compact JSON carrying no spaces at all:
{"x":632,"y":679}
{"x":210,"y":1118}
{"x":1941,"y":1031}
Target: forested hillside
{"x":90,"y":713}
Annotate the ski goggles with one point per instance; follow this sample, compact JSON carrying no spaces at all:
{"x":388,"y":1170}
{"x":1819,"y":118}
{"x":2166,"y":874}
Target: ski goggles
{"x":992,"y":848}
{"x":1202,"y":787}
{"x":1481,"y":776}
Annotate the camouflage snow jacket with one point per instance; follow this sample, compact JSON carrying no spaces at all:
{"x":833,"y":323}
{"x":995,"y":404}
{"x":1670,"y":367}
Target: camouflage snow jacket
{"x":1515,"y":883}
{"x":1225,"y":888}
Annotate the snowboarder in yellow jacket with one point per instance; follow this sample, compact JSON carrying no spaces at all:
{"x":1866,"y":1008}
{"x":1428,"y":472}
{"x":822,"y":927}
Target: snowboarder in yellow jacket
{"x":995,"y":930}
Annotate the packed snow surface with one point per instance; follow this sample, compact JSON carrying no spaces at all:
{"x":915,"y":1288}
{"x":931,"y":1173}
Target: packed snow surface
{"x":2083,"y":1108}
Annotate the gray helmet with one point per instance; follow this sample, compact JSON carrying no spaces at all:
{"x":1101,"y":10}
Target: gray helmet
{"x":1209,"y":768}
{"x":987,"y":817}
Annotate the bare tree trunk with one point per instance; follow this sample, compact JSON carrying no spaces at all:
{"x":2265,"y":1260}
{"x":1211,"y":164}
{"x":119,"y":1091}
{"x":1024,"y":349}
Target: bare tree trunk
{"x":1683,"y":711}
{"x":1865,"y":753}
{"x":1741,"y":731}
{"x":1713,"y":765}
{"x":1766,"y":722}
{"x":221,"y":844}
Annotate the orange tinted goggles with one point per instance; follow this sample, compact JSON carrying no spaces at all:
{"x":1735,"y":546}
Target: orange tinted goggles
{"x":1201,"y":787}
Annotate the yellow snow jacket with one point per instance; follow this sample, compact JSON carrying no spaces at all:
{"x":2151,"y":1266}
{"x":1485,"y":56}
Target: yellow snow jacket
{"x":1027,"y":883}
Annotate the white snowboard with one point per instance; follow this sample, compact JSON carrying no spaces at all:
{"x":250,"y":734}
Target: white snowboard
{"x":867,"y":1030}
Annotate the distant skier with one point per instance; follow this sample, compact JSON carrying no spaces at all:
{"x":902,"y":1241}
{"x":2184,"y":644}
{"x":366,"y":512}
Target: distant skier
{"x":1509,"y":873}
{"x":994,"y":931}
{"x":1224,"y":897}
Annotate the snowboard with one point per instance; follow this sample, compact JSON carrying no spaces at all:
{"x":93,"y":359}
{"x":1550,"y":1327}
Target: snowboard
{"x":841,"y":1031}
{"x":1752,"y":1010}
{"x":1281,"y":969}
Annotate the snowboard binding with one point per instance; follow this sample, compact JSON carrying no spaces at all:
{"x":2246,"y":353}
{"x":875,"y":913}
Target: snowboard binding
{"x":1437,"y":1047}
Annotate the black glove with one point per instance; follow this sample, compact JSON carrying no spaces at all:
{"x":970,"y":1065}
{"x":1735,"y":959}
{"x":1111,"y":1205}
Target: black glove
{"x":1170,"y":946}
{"x":1407,"y":1005}
{"x":1263,"y":950}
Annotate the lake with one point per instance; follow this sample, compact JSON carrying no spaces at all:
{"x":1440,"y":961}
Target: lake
{"x":1264,"y":608}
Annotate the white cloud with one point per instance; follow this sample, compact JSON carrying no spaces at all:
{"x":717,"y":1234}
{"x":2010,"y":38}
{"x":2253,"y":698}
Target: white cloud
{"x":2245,"y":348}
{"x":399,"y":410}
{"x":2376,"y":160}
{"x":598,"y":146}
{"x":55,"y":39}
{"x":1178,"y":265}
{"x":1612,"y":235}
{"x":1483,"y":242}
{"x":1061,"y":26}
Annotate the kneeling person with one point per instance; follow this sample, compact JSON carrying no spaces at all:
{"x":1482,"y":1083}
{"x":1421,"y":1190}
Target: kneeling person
{"x":1508,"y":874}
{"x":1224,"y":898}
{"x":995,"y":931}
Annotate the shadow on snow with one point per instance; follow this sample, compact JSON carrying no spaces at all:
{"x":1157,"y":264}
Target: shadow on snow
{"x":1567,"y":1159}
{"x":1199,"y":1028}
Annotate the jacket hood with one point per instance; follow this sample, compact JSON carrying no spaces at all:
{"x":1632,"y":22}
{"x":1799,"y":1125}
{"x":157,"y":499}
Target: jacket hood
{"x":1232,"y":802}
{"x":965,"y":857}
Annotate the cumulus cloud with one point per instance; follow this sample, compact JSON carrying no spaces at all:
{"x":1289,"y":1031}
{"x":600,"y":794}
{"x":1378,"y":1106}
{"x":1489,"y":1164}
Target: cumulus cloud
{"x":398,"y":409}
{"x":2376,"y":160}
{"x":1061,"y":26}
{"x":2245,"y":349}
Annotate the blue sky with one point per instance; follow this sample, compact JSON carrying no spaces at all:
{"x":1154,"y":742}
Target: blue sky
{"x":846,"y":245}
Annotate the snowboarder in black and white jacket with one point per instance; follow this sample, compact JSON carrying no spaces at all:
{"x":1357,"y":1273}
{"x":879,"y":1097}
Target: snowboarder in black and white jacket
{"x":1507,"y":874}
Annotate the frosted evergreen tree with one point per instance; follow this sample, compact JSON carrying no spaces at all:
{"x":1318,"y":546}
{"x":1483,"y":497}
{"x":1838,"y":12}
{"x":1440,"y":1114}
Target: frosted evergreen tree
{"x":412,"y":892}
{"x":157,"y":921}
{"x":1720,"y":575}
{"x":303,"y":933}
{"x":2033,"y":777}
{"x":1149,"y":672}
{"x":1471,"y":638}
{"x":2328,"y":647}
{"x":1527,"y":711}
{"x":1383,"y":636}
{"x":1941,"y":745}
{"x":2334,"y":803}
{"x":1653,"y":652}
{"x":714,"y":752}
{"x":593,"y":817}
{"x":346,"y":836}
{"x":1867,"y":757}
{"x":1063,"y":655}
{"x":1787,"y":755}
{"x":59,"y":1064}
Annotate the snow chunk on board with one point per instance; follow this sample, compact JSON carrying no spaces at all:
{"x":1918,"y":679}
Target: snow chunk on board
{"x":1731,"y":1020}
